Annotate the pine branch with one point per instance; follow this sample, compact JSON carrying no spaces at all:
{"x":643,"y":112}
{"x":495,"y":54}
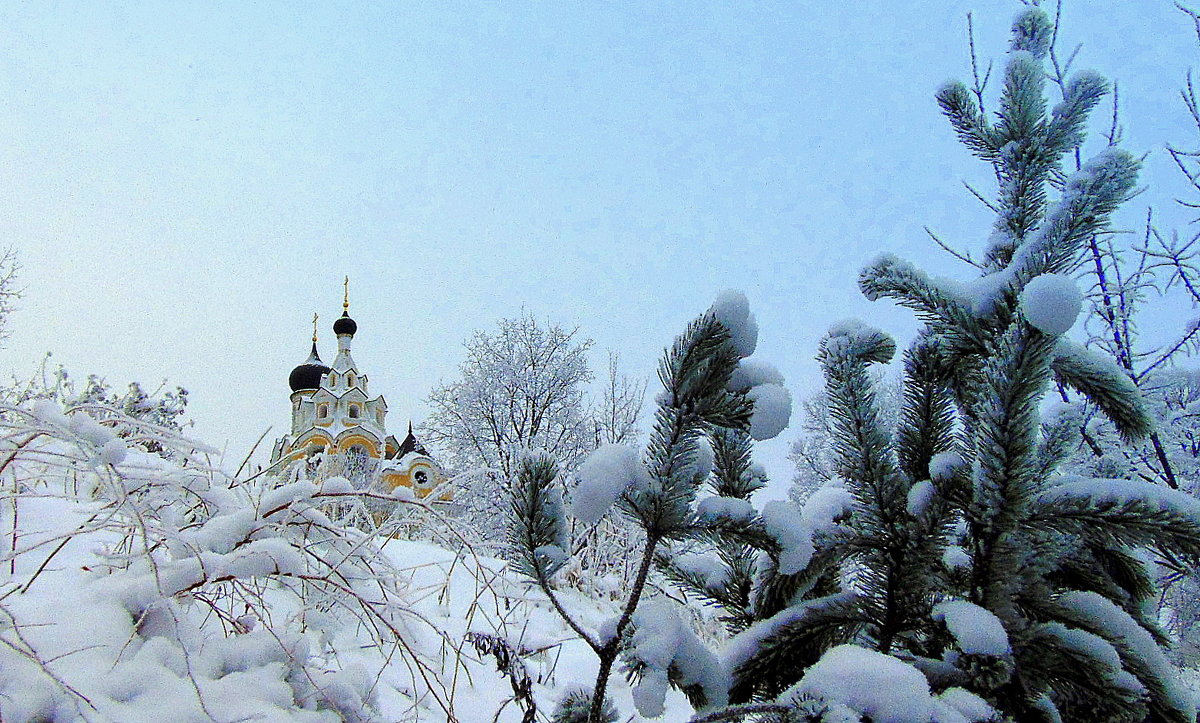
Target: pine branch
{"x":893,"y":278}
{"x":927,"y":414}
{"x":1104,"y":384}
{"x":1171,"y":524}
{"x":1168,"y":701}
{"x":1078,"y":667}
{"x":968,"y":121}
{"x":767,"y":658}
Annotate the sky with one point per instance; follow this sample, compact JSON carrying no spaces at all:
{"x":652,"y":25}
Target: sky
{"x":186,"y":185}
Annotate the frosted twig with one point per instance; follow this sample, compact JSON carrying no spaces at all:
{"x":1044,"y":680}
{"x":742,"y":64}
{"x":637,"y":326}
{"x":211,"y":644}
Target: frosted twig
{"x":980,"y":84}
{"x":965,"y":258}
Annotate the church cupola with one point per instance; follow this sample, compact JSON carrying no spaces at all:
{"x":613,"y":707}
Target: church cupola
{"x":344,"y":328}
{"x":345,"y":325}
{"x":307,"y":376}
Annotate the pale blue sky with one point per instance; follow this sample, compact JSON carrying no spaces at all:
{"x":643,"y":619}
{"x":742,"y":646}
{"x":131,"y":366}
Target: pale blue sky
{"x":187,"y":185}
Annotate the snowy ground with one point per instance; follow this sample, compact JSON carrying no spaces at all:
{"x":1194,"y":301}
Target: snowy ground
{"x":463,"y":593}
{"x":135,"y":589}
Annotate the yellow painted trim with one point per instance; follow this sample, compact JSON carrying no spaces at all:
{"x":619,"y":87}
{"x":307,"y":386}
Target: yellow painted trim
{"x":299,"y":448}
{"x":347,"y":442}
{"x":393,"y":479}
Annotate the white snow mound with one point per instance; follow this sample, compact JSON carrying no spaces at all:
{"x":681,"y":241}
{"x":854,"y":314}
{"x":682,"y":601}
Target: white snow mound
{"x":919,"y":497}
{"x":871,"y":684}
{"x":732,"y":309}
{"x":976,"y":630}
{"x":750,"y":373}
{"x":1051,"y":303}
{"x":603,"y":476}
{"x":772,"y":411}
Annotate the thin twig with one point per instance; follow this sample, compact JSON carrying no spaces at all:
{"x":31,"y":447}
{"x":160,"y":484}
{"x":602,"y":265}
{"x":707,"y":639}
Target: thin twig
{"x":945,"y":247}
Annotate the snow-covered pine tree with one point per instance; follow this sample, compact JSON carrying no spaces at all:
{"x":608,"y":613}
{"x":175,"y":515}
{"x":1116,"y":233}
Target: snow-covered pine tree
{"x":970,"y":579}
{"x":1051,"y":558}
{"x":855,"y":564}
{"x":710,"y":408}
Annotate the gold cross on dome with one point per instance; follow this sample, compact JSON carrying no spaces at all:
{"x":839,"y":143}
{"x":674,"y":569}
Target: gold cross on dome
{"x":346,"y":296}
{"x":314,"y":328}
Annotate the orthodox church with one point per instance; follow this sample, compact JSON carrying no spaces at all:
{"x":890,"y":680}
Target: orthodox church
{"x":333,"y":415}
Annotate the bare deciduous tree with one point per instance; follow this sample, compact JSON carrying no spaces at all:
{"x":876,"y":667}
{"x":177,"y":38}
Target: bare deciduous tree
{"x":617,"y":411}
{"x":520,"y":387}
{"x":10,"y":269}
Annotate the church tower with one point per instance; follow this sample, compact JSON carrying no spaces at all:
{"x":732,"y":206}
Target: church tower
{"x":333,"y":415}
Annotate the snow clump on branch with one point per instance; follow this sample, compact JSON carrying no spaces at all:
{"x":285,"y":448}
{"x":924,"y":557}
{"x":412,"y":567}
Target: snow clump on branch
{"x":761,"y":382}
{"x":603,"y":476}
{"x":852,"y":338}
{"x":976,"y":630}
{"x":869,"y":683}
{"x":663,"y":645}
{"x":820,"y":515}
{"x":732,"y":309}
{"x":1051,"y":303}
{"x":772,"y":411}
{"x":750,"y":373}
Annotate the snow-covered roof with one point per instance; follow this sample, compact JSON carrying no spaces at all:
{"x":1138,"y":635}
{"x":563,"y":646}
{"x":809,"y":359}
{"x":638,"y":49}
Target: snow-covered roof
{"x":403,"y":463}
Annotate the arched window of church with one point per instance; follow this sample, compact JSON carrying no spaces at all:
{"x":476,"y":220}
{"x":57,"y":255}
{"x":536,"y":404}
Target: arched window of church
{"x":354,"y":411}
{"x":322,"y":411}
{"x":332,"y":379}
{"x":357,"y":457}
{"x":350,"y":380}
{"x":379,"y":416}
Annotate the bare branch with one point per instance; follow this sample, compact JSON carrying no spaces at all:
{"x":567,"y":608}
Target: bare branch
{"x":965,"y":258}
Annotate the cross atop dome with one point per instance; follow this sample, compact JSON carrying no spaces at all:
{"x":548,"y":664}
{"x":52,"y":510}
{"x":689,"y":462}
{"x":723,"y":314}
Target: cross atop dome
{"x":344,"y":324}
{"x":307,"y":376}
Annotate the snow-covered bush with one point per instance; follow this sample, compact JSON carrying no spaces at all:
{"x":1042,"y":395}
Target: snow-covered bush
{"x":137,"y":587}
{"x":523,"y":385}
{"x":161,"y":407}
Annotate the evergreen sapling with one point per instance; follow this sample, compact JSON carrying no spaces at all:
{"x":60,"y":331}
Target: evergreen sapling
{"x":705,"y":417}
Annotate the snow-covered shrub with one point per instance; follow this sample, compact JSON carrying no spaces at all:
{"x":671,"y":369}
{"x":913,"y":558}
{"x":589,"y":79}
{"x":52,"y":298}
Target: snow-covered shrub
{"x":160,"y":407}
{"x":141,"y":586}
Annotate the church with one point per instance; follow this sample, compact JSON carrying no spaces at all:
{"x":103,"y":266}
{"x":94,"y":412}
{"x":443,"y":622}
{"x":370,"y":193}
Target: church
{"x":337,"y":424}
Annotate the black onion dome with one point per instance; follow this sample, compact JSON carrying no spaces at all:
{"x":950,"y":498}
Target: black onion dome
{"x":345,"y":325}
{"x":308,"y":375}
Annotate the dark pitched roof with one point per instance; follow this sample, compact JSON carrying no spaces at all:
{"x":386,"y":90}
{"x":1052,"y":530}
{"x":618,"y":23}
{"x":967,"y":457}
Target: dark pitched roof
{"x":411,"y":444}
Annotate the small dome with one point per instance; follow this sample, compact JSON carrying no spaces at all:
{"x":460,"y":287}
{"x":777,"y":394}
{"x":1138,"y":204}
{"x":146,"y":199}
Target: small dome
{"x":308,"y":375}
{"x":345,"y":325}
